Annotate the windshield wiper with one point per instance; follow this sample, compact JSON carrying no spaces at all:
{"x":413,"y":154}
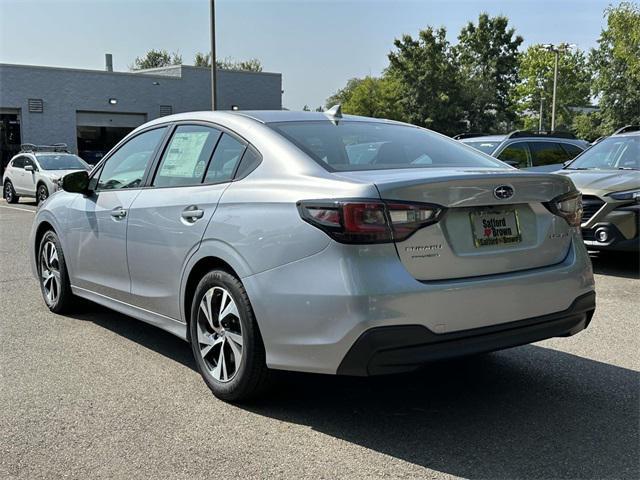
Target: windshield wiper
{"x":627,"y":168}
{"x":577,"y":168}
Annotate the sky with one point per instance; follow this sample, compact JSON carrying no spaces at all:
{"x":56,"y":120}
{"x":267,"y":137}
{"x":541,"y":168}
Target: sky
{"x":317,"y":45}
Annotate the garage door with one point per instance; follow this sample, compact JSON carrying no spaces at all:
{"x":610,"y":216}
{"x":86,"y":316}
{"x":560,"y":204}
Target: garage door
{"x":104,"y":119}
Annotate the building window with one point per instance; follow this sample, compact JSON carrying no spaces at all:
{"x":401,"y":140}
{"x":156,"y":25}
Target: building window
{"x":165,"y":110}
{"x":36,"y":105}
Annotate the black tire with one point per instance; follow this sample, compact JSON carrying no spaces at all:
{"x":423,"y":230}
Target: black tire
{"x":9,"y":193}
{"x":63,"y":299}
{"x":42,"y":193}
{"x":252,"y":376}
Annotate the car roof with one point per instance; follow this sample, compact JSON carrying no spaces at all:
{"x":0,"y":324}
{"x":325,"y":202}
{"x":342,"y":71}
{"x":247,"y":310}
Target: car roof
{"x":627,"y":134}
{"x":273,"y":116}
{"x":485,"y":138}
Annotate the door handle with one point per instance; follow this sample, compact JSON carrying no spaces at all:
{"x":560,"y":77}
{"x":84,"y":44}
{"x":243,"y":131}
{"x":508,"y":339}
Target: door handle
{"x":192,"y":213}
{"x":118,"y":213}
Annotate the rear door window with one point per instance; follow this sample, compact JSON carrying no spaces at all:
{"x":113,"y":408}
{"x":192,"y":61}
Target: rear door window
{"x":547,"y":153}
{"x":515,"y":155}
{"x":225,"y":159}
{"x":186,"y":157}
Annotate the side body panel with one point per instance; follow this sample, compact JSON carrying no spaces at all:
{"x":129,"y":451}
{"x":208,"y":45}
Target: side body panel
{"x":160,"y":240}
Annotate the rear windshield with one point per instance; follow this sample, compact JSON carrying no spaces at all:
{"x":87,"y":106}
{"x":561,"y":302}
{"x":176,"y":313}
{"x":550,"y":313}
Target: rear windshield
{"x":63,"y":161}
{"x":486,"y":146}
{"x":350,"y":146}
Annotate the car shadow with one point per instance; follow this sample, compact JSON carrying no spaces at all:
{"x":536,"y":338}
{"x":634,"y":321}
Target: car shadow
{"x":529,"y":412}
{"x":617,"y":264}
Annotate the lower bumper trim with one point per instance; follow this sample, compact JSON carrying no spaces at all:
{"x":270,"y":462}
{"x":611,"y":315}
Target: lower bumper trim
{"x":403,"y":348}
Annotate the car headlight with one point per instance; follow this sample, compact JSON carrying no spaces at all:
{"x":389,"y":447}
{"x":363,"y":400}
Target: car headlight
{"x":567,"y":206}
{"x":628,"y":195}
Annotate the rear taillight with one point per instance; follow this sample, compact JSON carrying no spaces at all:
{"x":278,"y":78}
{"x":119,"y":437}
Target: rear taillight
{"x":368,"y":221}
{"x":567,"y":206}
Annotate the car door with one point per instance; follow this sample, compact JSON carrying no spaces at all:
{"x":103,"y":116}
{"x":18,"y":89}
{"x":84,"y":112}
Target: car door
{"x":16,"y":173}
{"x":168,"y":220}
{"x":97,"y":223}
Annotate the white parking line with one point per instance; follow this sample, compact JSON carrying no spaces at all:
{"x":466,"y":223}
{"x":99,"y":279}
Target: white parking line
{"x":17,"y":208}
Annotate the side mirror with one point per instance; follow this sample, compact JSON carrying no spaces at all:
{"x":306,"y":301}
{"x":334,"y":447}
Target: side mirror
{"x":29,"y":168}
{"x":76,"y":182}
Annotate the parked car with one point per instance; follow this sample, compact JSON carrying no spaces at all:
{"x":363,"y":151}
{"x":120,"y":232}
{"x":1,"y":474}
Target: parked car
{"x":545,"y":152}
{"x":36,"y":170}
{"x":608,"y":175}
{"x":258,"y":238}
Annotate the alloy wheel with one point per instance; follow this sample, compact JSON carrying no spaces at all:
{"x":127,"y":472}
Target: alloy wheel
{"x":50,"y":272}
{"x":42,"y":194}
{"x":8,"y":194}
{"x":220,"y":339}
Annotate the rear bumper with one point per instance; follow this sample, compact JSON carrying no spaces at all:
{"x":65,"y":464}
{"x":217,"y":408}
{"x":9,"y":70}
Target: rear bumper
{"x":312,"y":311}
{"x":403,"y":348}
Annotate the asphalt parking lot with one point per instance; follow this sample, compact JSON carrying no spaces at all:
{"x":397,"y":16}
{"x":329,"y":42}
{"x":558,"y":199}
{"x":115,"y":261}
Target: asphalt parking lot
{"x":100,"y":395}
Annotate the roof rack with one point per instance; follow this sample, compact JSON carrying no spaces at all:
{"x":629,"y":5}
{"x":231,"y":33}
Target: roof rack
{"x":526,"y":133}
{"x":56,"y":147}
{"x":460,"y":136}
{"x":627,"y":128}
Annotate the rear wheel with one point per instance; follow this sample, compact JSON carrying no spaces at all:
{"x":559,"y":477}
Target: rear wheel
{"x":42,"y":194}
{"x":9,"y":193}
{"x":225,"y":339}
{"x":53,"y":275}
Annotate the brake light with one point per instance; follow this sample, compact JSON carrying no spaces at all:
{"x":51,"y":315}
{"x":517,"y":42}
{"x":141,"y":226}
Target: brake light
{"x":567,"y":206}
{"x":368,"y":221}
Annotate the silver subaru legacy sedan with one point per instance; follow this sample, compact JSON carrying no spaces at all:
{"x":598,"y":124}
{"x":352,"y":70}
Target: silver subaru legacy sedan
{"x":316,"y":242}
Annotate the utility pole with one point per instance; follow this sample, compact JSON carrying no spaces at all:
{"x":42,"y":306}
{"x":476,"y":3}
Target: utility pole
{"x":563,"y":47}
{"x":213,"y":54}
{"x":541,"y":105}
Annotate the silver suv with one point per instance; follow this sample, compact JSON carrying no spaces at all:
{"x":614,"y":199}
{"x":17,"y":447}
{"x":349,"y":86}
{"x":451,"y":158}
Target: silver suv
{"x":544,"y":152}
{"x":316,"y":242}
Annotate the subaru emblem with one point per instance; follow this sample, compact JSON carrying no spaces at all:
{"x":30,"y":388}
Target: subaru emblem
{"x":503,"y":192}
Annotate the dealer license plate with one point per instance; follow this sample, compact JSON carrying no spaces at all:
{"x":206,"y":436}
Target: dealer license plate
{"x":495,"y":228}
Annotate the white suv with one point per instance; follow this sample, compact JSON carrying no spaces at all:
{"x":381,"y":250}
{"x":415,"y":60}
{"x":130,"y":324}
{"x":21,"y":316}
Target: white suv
{"x":35,"y":171}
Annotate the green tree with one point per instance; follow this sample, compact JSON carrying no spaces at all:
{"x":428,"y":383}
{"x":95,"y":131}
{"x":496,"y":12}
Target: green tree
{"x":487,"y":54}
{"x":344,"y":94}
{"x":370,"y":97}
{"x":589,"y":126}
{"x":156,"y":59}
{"x":228,"y":63}
{"x":616,"y":66}
{"x":429,"y":80}
{"x":536,"y":67}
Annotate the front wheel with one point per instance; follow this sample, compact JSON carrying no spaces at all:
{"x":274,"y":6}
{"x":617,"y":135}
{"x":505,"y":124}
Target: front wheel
{"x":52,"y":270}
{"x":9,"y":193}
{"x":225,"y":339}
{"x":42,"y":193}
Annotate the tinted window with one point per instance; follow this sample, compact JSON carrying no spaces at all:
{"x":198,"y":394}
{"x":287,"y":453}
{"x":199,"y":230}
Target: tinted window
{"x":547,"y":153}
{"x":126,"y":167}
{"x":185,"y":158}
{"x":225,"y":159}
{"x":61,"y":161}
{"x":515,"y":155}
{"x":350,"y":146}
{"x":571,"y":150}
{"x":250,"y":160}
{"x":18,"y":162}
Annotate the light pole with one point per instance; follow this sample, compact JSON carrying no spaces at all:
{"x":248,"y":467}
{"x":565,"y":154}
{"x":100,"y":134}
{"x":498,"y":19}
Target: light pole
{"x":563,"y":47}
{"x":213,"y":54}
